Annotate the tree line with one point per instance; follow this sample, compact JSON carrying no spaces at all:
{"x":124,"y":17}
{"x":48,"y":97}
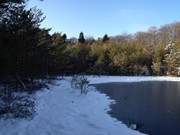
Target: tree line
{"x":155,"y":52}
{"x":28,"y":51}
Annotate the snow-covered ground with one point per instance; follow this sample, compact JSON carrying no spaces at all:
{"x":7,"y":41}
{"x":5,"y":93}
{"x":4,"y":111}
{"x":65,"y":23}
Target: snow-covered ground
{"x":106,"y":79}
{"x":63,"y":111}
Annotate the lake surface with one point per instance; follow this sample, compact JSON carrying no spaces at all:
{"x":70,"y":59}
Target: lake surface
{"x":153,"y":106}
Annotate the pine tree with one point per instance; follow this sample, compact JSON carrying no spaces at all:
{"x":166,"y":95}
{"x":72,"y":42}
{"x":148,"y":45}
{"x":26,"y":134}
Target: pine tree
{"x":105,"y":38}
{"x":81,"y":38}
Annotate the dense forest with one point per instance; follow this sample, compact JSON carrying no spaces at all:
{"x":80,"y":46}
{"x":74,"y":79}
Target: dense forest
{"x":28,"y":51}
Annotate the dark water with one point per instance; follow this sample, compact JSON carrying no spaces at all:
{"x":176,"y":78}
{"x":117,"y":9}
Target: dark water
{"x":153,"y":106}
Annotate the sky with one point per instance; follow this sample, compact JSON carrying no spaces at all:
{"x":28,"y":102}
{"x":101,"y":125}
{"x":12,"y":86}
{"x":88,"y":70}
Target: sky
{"x":113,"y":17}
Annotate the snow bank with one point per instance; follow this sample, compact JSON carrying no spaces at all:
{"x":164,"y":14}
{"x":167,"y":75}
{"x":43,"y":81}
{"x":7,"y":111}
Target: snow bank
{"x":107,"y":79}
{"x":63,"y":111}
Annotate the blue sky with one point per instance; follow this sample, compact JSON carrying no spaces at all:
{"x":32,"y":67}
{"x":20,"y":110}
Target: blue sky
{"x":114,"y":17}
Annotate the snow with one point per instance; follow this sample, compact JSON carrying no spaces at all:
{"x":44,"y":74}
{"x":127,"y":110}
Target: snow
{"x":107,"y":79}
{"x":61,"y":110}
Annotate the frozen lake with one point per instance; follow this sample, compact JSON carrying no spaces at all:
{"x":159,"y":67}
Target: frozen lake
{"x":153,"y":105}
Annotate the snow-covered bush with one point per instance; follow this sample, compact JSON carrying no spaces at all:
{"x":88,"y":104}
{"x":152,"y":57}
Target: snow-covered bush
{"x":80,"y":82}
{"x":15,"y":105}
{"x":74,"y":81}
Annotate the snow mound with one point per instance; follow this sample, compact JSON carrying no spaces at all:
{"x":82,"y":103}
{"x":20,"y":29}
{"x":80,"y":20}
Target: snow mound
{"x":63,"y":111}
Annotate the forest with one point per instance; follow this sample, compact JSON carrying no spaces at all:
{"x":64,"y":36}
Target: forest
{"x":28,"y":51}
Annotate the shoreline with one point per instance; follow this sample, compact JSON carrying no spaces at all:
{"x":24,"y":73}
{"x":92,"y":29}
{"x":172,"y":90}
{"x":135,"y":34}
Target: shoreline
{"x":111,"y":79}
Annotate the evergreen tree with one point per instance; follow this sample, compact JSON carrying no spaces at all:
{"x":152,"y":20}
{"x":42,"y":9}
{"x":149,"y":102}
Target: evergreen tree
{"x":81,"y":38}
{"x":172,"y":57}
{"x":64,"y":37}
{"x":105,"y":38}
{"x":20,"y":39}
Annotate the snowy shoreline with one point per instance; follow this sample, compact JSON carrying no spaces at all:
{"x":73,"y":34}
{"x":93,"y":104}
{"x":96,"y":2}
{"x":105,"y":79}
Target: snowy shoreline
{"x":61,"y":110}
{"x":109,"y":79}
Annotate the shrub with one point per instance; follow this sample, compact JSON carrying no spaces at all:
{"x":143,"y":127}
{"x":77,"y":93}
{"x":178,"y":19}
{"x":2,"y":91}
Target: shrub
{"x":80,"y":82}
{"x":15,"y":105}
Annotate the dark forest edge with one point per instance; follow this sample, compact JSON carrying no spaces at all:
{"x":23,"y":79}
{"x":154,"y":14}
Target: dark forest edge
{"x":28,"y":52}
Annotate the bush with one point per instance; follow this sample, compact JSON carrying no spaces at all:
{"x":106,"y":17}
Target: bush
{"x":16,"y":105}
{"x":80,"y":82}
